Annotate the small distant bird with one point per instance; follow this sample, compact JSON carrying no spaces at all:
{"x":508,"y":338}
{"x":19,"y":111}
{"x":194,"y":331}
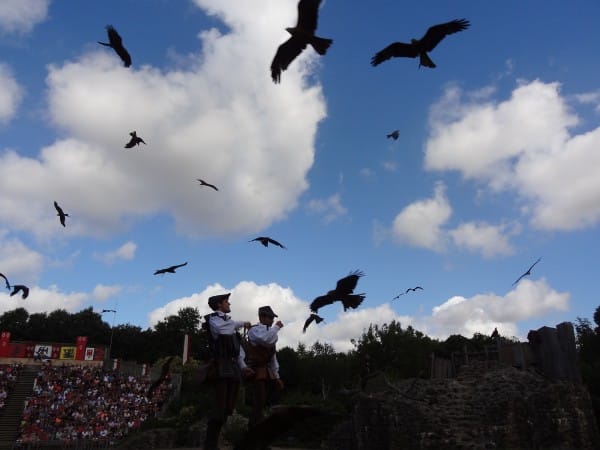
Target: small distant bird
{"x":264,"y":240}
{"x":281,"y":419}
{"x":170,"y":269}
{"x":312,"y":318}
{"x":495,"y":333}
{"x":394,"y":135}
{"x":427,"y":43}
{"x":528,"y":272}
{"x":164,"y":372}
{"x":20,"y":288}
{"x":109,"y":310}
{"x":5,"y":281}
{"x":135,"y":140}
{"x":60,"y":213}
{"x":407,"y":291}
{"x":343,"y":292}
{"x":204,"y":183}
{"x":116,"y":43}
{"x":302,"y":35}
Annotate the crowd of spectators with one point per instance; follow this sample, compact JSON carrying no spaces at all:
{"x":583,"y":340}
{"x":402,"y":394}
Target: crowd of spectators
{"x":71,"y":403}
{"x":9,"y":374}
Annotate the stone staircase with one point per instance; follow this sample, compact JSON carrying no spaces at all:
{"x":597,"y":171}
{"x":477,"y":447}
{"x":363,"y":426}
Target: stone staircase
{"x":10,"y":416}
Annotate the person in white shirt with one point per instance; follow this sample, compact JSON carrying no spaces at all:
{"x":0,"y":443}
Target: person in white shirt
{"x":262,"y":359}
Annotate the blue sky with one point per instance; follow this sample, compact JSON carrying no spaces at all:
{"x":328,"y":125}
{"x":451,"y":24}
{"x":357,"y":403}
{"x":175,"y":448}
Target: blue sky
{"x":495,"y":166}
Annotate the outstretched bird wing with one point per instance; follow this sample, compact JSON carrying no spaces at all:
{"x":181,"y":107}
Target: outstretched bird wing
{"x":20,"y":288}
{"x":320,"y":301}
{"x":5,"y":280}
{"x":308,"y":14}
{"x":116,"y":43}
{"x":395,"y":49}
{"x":204,"y":183}
{"x":436,"y":33}
{"x":347,"y":284}
{"x":312,"y":318}
{"x":352,"y":301}
{"x":286,"y":53}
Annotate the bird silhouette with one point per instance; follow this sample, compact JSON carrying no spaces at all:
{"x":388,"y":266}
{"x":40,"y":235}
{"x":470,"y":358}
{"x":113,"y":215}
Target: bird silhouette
{"x":116,"y":43}
{"x":495,"y":333}
{"x":135,"y":140}
{"x":170,"y":269}
{"x":204,"y":183}
{"x":264,"y":240}
{"x":281,"y":419}
{"x":109,"y":310}
{"x":312,"y":318}
{"x":407,"y":291}
{"x":420,"y":47}
{"x":20,"y":288}
{"x":164,"y":373}
{"x":5,"y":281}
{"x":60,"y":213}
{"x":528,"y":272}
{"x":302,"y":35}
{"x":394,"y":135}
{"x":343,"y":292}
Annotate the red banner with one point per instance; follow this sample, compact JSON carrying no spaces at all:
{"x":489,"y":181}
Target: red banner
{"x":4,"y":343}
{"x":81,"y":344}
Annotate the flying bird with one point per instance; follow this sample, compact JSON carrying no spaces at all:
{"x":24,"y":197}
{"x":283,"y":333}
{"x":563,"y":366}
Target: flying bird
{"x":60,"y":213}
{"x":264,"y":240}
{"x":164,"y":373}
{"x":394,"y":135}
{"x":135,"y":140}
{"x":170,"y":269}
{"x":20,"y":288}
{"x":312,"y":318}
{"x":407,"y":291}
{"x":343,"y":292}
{"x":204,"y":183}
{"x":115,"y":42}
{"x":301,"y":35}
{"x":528,"y":272}
{"x":5,"y":281}
{"x":420,"y":47}
{"x":108,"y":310}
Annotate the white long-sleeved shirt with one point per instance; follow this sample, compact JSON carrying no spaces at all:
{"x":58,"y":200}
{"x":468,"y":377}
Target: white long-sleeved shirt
{"x":220,"y":323}
{"x":266,"y":337}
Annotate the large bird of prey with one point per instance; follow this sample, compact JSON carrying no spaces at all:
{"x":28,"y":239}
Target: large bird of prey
{"x":20,"y":288}
{"x":343,"y":292}
{"x":115,"y":42}
{"x":170,"y":269}
{"x":5,"y":280}
{"x":312,"y":318}
{"x":528,"y":272}
{"x":264,"y":240}
{"x":394,"y":135}
{"x":301,"y":35}
{"x":420,"y":47}
{"x":135,"y":140}
{"x":164,"y":372}
{"x":407,"y":291}
{"x":204,"y":183}
{"x":60,"y":213}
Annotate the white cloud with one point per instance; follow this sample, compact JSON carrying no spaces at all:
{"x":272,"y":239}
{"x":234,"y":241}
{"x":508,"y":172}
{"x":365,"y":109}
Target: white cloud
{"x":490,"y":240}
{"x":22,"y":15}
{"x":205,"y":121}
{"x":44,"y":300}
{"x":10,"y":94}
{"x":19,"y":263}
{"x":523,"y":145}
{"x":330,"y":208}
{"x":124,"y":252}
{"x":102,"y":292}
{"x":419,"y":224}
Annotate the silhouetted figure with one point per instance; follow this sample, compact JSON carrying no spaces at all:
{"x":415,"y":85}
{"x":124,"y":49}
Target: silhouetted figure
{"x":302,"y":35}
{"x":407,"y":291}
{"x":115,"y":42}
{"x":164,"y":373}
{"x":170,"y":269}
{"x":312,"y":318}
{"x":394,"y":135}
{"x":135,"y":140}
{"x":495,"y":333}
{"x":5,"y":281}
{"x":20,"y":288}
{"x":204,"y":183}
{"x":264,"y":240}
{"x":343,"y":292}
{"x":528,"y":272}
{"x":281,"y":419}
{"x":60,"y":213}
{"x":419,"y":48}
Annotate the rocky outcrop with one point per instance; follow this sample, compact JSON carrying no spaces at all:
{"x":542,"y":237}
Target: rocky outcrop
{"x":482,"y":408}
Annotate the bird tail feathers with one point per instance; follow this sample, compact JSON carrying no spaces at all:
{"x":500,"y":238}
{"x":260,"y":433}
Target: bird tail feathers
{"x":320,"y":44}
{"x":426,"y":61}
